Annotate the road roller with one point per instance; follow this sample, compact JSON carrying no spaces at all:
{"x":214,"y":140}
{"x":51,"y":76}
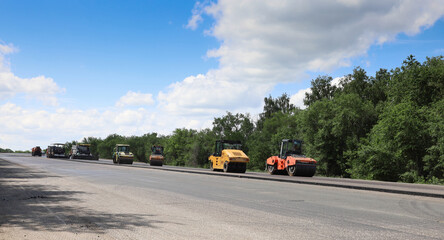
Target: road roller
{"x":122,"y":154}
{"x":228,"y":157}
{"x":36,"y":151}
{"x":156,"y":157}
{"x":291,"y":160}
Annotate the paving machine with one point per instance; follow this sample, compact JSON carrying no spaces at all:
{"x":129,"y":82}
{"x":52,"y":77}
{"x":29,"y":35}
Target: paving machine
{"x":56,"y":150}
{"x":229,"y":157}
{"x":122,"y":154}
{"x":291,"y":160}
{"x":156,"y":157}
{"x":82,"y":151}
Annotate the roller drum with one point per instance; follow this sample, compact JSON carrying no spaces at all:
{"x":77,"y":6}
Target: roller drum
{"x":156,"y":162}
{"x":305,"y":170}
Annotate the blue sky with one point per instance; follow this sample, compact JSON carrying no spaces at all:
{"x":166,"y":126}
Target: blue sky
{"x":72,"y":69}
{"x":104,"y":43}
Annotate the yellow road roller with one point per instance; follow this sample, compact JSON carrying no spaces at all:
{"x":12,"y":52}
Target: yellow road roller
{"x":229,"y":157}
{"x":122,"y":154}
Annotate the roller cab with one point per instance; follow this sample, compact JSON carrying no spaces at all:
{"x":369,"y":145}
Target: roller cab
{"x":291,"y":160}
{"x":228,"y":157}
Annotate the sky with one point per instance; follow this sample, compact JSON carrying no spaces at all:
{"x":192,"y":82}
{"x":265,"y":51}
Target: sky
{"x":74,"y":69}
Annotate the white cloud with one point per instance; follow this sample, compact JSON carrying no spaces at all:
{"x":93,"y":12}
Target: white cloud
{"x":40,"y":87}
{"x":262,"y":43}
{"x":286,"y":38}
{"x":336,"y":81}
{"x":23,"y":128}
{"x":196,"y":18}
{"x":135,"y":99}
{"x":7,"y":49}
{"x":268,"y":42}
{"x":298,"y":98}
{"x":210,"y":95}
{"x":194,"y":22}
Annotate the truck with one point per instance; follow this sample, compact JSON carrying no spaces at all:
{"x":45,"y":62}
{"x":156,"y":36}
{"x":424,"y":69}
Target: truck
{"x":291,"y":160}
{"x":122,"y":154}
{"x":156,"y":157}
{"x":56,"y":150}
{"x":228,"y":157}
{"x":82,"y":151}
{"x":36,"y":151}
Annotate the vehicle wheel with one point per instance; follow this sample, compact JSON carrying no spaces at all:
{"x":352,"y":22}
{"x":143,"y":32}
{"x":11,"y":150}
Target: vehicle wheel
{"x":211,"y":166}
{"x":114,"y":160}
{"x":226,"y":166}
{"x":291,"y":170}
{"x":271,"y":169}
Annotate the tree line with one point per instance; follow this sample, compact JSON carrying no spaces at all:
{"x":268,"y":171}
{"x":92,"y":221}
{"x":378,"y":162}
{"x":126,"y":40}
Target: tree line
{"x":6,"y":150}
{"x":384,"y":127}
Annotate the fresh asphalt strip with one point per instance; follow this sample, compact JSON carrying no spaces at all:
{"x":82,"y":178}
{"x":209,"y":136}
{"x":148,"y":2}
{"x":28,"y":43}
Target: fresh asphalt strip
{"x":386,"y":187}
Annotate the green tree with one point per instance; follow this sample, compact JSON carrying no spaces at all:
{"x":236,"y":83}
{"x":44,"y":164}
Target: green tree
{"x":396,"y":145}
{"x":274,"y":105}
{"x":421,"y":84}
{"x":233,"y":126}
{"x":106,"y":147}
{"x":321,"y":88}
{"x":379,"y":87}
{"x":178,"y":147}
{"x":202,"y":148}
{"x":434,"y":158}
{"x":356,"y":83}
{"x":317,"y":125}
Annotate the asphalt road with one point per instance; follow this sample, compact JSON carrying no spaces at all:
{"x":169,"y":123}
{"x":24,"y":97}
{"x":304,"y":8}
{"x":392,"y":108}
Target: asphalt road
{"x":51,"y":199}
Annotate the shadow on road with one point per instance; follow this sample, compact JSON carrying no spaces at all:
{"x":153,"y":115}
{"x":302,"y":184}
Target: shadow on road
{"x":16,"y":171}
{"x":30,"y":206}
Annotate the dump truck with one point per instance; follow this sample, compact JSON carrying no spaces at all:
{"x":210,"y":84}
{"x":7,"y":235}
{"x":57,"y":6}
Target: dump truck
{"x":82,"y":151}
{"x":122,"y":154}
{"x":56,"y":150}
{"x":36,"y":151}
{"x":156,"y":157}
{"x":291,"y":160}
{"x":229,"y":157}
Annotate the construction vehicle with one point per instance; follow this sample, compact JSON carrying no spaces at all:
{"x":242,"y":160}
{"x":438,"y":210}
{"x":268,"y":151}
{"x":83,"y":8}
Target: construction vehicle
{"x":228,"y":157}
{"x":122,"y":154}
{"x":82,"y":151}
{"x":291,"y":160}
{"x":36,"y":151}
{"x":56,"y":150}
{"x":156,"y":157}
